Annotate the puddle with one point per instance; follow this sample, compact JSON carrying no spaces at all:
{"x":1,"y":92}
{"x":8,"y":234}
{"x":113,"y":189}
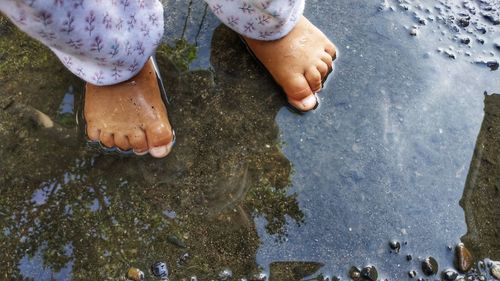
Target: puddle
{"x":402,"y":148}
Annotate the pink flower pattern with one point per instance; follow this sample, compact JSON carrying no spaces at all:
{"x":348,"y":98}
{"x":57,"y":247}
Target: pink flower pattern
{"x":105,"y":42}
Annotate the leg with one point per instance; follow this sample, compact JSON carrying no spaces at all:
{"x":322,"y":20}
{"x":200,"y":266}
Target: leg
{"x":296,"y":53}
{"x":108,"y":45}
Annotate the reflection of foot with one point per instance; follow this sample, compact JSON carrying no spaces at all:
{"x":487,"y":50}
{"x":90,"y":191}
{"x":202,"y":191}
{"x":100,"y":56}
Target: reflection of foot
{"x":298,"y":62}
{"x":130,"y":115}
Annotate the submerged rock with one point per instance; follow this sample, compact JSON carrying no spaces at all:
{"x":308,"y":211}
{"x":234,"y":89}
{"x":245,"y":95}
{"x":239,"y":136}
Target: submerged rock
{"x":463,"y":258}
{"x":354,"y":273}
{"x":134,"y":274}
{"x":159,"y":269}
{"x":395,"y":245}
{"x":369,"y":273}
{"x":495,"y":270}
{"x":449,"y":275}
{"x":225,"y":274}
{"x":430,"y":266}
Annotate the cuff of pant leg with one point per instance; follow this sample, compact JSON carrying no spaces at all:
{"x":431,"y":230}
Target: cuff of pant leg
{"x":102,"y":73}
{"x":288,"y":26}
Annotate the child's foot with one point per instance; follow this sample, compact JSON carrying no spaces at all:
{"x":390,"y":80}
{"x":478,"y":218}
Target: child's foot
{"x":298,"y":62}
{"x":129,"y":115}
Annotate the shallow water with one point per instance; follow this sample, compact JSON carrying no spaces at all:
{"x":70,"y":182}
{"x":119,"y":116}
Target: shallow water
{"x":402,"y":136}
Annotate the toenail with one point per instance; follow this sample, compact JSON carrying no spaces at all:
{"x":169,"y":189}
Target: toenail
{"x":141,"y":153}
{"x":309,"y":102}
{"x":161,"y":151}
{"x":317,"y":102}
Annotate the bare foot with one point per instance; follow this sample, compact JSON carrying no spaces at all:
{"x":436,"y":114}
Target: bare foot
{"x":129,"y":115}
{"x":298,"y":62}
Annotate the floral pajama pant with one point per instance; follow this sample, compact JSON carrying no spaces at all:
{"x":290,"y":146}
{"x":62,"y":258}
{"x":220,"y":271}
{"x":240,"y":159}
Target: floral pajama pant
{"x":105,"y":42}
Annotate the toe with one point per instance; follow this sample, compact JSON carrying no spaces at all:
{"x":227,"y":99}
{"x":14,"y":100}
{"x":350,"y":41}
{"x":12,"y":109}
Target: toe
{"x":161,"y":151}
{"x":299,"y":92}
{"x":297,"y":87}
{"x":327,"y":59}
{"x":159,"y":138}
{"x":122,"y":142}
{"x":138,"y":142}
{"x":323,"y":69}
{"x":313,"y":76}
{"x":107,"y":139}
{"x":306,"y":104}
{"x":331,"y":50}
{"x":93,"y":133}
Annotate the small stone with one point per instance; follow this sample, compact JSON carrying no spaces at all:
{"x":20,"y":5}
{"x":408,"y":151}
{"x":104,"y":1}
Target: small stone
{"x":173,"y":239}
{"x":430,"y":266}
{"x":463,"y":258}
{"x":409,"y":257}
{"x":414,"y":32}
{"x":259,"y":277}
{"x":225,"y":274}
{"x":395,"y":245}
{"x":465,"y":40}
{"x":336,"y":278}
{"x":184,"y":258}
{"x":412,"y":274}
{"x":159,"y":269}
{"x":449,"y":275}
{"x":354,"y":273}
{"x":495,"y":271}
{"x":134,"y":274}
{"x":463,"y":22}
{"x":369,"y":273}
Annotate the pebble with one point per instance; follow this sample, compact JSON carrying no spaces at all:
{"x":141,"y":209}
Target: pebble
{"x":369,"y":273}
{"x":173,"y":239}
{"x":449,"y":275}
{"x":429,"y":266}
{"x":354,"y":273}
{"x":395,"y":245}
{"x":159,"y":269}
{"x":414,"y":32}
{"x":495,"y":271}
{"x":409,"y":257}
{"x":463,"y":258}
{"x":184,"y":258}
{"x":134,"y":274}
{"x":412,"y":274}
{"x":225,"y":274}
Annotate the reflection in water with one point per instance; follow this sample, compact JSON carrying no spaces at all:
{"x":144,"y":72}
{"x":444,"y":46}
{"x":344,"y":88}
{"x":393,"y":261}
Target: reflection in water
{"x":481,"y":196}
{"x":69,"y":212}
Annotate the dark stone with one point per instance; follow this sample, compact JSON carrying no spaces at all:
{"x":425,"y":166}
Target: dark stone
{"x":412,"y":274}
{"x":430,"y":266}
{"x":409,"y":257}
{"x":463,"y":22}
{"x":449,"y":275}
{"x":159,"y":269}
{"x":395,"y":245}
{"x":369,"y":273}
{"x":354,"y":273}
